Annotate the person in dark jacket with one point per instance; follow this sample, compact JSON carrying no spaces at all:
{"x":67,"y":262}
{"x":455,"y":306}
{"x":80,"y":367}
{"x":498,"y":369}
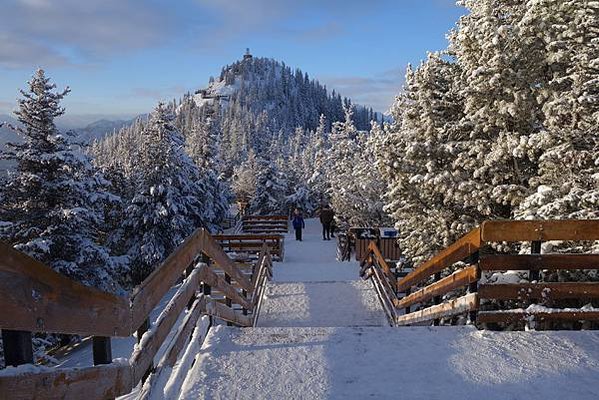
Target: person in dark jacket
{"x":326,"y":219}
{"x":298,"y":224}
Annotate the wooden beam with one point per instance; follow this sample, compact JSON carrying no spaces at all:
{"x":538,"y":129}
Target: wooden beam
{"x":35,"y":298}
{"x":460,"y":305}
{"x":142,"y":359}
{"x":18,"y":348}
{"x":213,"y":250}
{"x":456,"y":280}
{"x":147,"y":295}
{"x":503,"y":262}
{"x":98,"y":382}
{"x":184,"y":332}
{"x":540,"y":230}
{"x":544,"y":290}
{"x":225,"y":313}
{"x":458,"y":251}
{"x":216,"y":282}
{"x":519,"y":316}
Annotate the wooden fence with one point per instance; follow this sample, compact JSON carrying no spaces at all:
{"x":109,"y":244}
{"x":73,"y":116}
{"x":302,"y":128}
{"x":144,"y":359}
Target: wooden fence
{"x":34,"y":298}
{"x":253,"y":243}
{"x":265,"y":224}
{"x":472,"y":259}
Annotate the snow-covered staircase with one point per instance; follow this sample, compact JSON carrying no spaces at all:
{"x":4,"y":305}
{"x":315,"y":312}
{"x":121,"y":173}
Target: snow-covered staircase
{"x":317,"y":316}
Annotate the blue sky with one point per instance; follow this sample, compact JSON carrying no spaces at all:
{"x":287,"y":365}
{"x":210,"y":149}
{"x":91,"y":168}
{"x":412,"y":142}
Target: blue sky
{"x":121,"y":57}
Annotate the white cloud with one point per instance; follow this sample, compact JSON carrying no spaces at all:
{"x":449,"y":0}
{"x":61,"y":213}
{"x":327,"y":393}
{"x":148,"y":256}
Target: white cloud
{"x":377,"y":91}
{"x":36,"y":32}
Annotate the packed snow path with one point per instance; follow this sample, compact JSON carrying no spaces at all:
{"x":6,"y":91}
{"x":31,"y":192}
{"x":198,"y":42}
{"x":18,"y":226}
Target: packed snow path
{"x":312,"y":289}
{"x":425,"y":363}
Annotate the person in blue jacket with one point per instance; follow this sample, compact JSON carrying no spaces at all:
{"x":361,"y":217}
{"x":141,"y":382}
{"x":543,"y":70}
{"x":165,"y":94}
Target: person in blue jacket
{"x":298,"y":223}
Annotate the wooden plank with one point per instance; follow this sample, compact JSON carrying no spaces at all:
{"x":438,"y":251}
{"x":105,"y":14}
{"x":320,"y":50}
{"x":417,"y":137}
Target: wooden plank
{"x":35,"y":298}
{"x":258,"y":238}
{"x":456,"y":280}
{"x":380,"y":260}
{"x":217,"y":254}
{"x":98,"y":382}
{"x":526,"y":231}
{"x":458,"y":251}
{"x":216,"y":282}
{"x":142,"y":358}
{"x":519,"y":316}
{"x":147,"y":295}
{"x":543,"y":290}
{"x":264,"y":217}
{"x":225,"y":313}
{"x":184,"y":332}
{"x":460,"y":305}
{"x":504,"y":262}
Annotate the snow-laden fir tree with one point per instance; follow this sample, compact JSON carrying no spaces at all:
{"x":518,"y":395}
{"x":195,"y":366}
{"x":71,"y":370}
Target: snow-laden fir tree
{"x":271,"y":186}
{"x":165,"y":208}
{"x":567,"y":186}
{"x":53,"y":203}
{"x":418,"y":160}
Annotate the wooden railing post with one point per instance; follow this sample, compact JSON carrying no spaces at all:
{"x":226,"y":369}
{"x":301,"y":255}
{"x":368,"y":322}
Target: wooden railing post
{"x":535,"y":248}
{"x":18,"y":348}
{"x":533,"y":276}
{"x":140,"y":332}
{"x":244,"y":293}
{"x":437,"y":300}
{"x":407,"y":293}
{"x":473,"y":287}
{"x":228,"y":302}
{"x":102,"y":350}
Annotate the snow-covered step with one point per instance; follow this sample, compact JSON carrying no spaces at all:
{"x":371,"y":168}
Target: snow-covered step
{"x":316,"y":304}
{"x":387,"y":363}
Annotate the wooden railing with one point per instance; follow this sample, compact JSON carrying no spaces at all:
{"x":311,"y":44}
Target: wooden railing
{"x":252,"y":243}
{"x":265,"y":224}
{"x":34,"y":298}
{"x":374,"y":266}
{"x":468,"y":291}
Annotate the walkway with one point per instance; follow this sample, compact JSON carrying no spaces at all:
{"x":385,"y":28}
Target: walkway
{"x":323,"y":335}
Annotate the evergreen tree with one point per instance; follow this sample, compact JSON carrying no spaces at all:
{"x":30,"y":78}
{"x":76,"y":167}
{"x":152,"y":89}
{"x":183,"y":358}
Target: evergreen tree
{"x":165,"y":208}
{"x":53,"y":203}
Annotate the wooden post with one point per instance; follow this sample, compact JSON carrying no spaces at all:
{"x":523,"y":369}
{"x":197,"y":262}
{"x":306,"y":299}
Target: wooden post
{"x":407,"y":293}
{"x":437,"y":300}
{"x":18,"y":348}
{"x":244,"y":293}
{"x":534,"y":275}
{"x":228,"y":302}
{"x":140,"y":332}
{"x":102,"y":350}
{"x":473,"y":287}
{"x":535,"y":248}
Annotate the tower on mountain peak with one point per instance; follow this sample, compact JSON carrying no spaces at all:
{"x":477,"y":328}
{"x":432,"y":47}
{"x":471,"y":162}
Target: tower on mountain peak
{"x":247,"y":54}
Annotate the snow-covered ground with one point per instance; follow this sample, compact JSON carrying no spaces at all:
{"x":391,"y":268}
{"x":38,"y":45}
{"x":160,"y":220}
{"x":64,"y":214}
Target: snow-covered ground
{"x":348,"y":303}
{"x":311,"y":288}
{"x":313,"y":259}
{"x":425,"y":363}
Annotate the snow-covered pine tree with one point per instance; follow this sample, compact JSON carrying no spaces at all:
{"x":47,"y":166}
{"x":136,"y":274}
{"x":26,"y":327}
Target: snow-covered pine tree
{"x":269,"y":197}
{"x":418,"y":159}
{"x":53,"y":203}
{"x":166,"y":208}
{"x":567,"y":186}
{"x":343,"y":156}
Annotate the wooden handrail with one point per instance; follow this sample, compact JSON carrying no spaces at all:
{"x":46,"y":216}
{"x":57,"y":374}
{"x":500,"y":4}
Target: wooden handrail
{"x":32,"y":292}
{"x":33,"y":297}
{"x":541,"y":230}
{"x":459,"y":250}
{"x":466,"y":249}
